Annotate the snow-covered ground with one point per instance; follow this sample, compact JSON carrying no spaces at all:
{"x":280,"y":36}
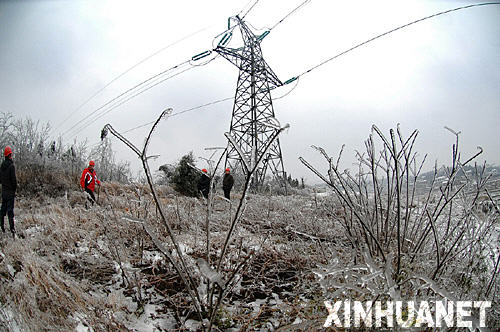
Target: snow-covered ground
{"x":73,"y":269}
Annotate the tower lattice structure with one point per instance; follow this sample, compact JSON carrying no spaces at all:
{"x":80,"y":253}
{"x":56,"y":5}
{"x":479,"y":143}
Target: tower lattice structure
{"x":253,"y":108}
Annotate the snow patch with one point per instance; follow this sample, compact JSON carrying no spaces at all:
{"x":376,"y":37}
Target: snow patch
{"x":153,"y":257}
{"x":150,"y":321}
{"x":34,"y":230}
{"x":11,"y":270}
{"x":185,"y":250}
{"x":8,"y":321}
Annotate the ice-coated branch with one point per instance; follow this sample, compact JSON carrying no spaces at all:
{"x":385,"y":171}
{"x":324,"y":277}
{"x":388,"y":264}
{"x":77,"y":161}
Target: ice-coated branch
{"x":165,"y":113}
{"x":182,"y":270}
{"x":239,"y":210}
{"x":246,"y":163}
{"x":108,"y":127}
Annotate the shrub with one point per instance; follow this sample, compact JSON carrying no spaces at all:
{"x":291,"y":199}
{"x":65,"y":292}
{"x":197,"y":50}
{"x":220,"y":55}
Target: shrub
{"x":49,"y":168}
{"x":185,"y":178}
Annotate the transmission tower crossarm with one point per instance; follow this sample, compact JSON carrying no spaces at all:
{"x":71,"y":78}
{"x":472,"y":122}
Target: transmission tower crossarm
{"x":233,"y":55}
{"x":236,"y":57}
{"x":273,"y":79}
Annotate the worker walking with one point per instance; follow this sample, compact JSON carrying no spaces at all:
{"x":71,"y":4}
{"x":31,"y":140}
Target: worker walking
{"x":204,"y":183}
{"x":227,"y":183}
{"x":9,"y":186}
{"x":88,"y":181}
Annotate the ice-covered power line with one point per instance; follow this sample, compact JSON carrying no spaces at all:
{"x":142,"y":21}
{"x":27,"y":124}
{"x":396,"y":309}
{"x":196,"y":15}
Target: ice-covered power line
{"x":132,"y":93}
{"x":152,"y":81}
{"x":174,"y":114}
{"x":249,"y":9}
{"x":124,"y":73}
{"x":182,"y":112}
{"x":385,"y":34}
{"x":227,"y":36}
{"x":290,"y":13}
{"x":127,"y":95}
{"x":295,"y":79}
{"x":115,"y":102}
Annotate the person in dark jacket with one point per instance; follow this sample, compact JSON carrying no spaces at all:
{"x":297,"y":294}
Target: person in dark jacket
{"x":88,"y":181}
{"x":204,"y":183}
{"x":9,"y":186}
{"x":227,"y":183}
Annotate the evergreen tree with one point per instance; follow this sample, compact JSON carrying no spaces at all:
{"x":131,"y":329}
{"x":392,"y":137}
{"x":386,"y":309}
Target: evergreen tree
{"x":185,"y":178}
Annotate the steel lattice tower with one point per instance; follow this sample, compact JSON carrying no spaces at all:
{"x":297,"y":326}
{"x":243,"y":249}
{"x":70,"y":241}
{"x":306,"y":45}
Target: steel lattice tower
{"x":253,"y":107}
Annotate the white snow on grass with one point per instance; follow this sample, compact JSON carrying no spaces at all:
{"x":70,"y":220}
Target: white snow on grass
{"x":150,"y":321}
{"x":33,"y":230}
{"x":7,"y":320}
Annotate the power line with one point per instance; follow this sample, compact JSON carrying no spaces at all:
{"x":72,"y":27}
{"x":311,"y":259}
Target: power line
{"x":249,"y":9}
{"x":181,"y":112}
{"x":290,"y":13}
{"x":287,"y":82}
{"x":123,"y":73}
{"x":137,"y":86}
{"x":280,"y":21}
{"x":393,"y":30}
{"x":377,"y":37}
{"x":112,"y":107}
{"x":242,"y":9}
{"x":118,"y":103}
{"x":172,"y":115}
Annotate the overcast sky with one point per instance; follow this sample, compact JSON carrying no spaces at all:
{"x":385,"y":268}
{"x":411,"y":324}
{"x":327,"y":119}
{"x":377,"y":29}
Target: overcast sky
{"x":445,"y":71}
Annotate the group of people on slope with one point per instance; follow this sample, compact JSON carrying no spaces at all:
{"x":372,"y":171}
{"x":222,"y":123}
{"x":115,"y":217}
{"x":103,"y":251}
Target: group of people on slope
{"x":227,"y":183}
{"x":88,"y":181}
{"x":8,"y":180}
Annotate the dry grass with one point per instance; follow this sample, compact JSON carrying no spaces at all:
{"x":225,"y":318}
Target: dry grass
{"x":66,"y":258}
{"x":75,"y":266}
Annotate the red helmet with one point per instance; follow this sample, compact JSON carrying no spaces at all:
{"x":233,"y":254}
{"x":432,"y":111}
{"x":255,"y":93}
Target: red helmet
{"x":228,"y":170}
{"x":91,"y":163}
{"x":7,"y":151}
{"x":204,"y":170}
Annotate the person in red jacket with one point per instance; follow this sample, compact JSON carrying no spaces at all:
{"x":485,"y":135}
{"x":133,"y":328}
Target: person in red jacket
{"x":88,"y":181}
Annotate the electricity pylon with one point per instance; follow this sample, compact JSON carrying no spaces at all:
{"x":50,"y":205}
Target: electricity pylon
{"x":253,"y":114}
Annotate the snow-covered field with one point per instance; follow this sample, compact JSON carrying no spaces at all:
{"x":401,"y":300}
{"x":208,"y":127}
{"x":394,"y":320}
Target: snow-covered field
{"x":78,"y":269}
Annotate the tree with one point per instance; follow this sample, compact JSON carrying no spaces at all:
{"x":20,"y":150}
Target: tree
{"x":107,"y":166}
{"x":185,"y":177}
{"x":294,"y":183}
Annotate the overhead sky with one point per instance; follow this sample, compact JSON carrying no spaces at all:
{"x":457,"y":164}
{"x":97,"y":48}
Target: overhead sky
{"x":57,"y":56}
